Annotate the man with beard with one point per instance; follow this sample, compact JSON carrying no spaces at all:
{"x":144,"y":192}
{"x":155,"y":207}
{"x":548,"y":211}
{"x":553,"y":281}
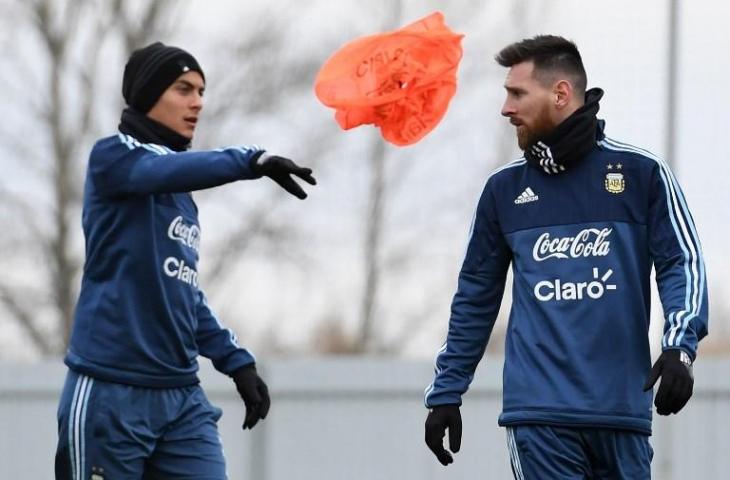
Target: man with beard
{"x":132,"y":406}
{"x":582,"y":219}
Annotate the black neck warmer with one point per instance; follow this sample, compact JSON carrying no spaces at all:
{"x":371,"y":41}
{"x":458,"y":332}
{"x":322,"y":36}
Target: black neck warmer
{"x":570,"y":141}
{"x":146,"y":130}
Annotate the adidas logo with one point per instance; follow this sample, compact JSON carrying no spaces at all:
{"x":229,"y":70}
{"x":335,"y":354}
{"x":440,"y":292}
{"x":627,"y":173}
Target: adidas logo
{"x":527,"y":196}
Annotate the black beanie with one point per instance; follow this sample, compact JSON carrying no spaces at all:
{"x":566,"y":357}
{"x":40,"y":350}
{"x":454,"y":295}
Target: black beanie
{"x":150,"y":70}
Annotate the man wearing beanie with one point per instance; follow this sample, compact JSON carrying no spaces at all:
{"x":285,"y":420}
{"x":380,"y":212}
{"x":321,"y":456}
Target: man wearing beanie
{"x":132,"y":405}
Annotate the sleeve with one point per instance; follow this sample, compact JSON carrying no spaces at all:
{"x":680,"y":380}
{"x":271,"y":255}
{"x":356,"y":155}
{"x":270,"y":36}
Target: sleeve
{"x":218,"y":343}
{"x":680,"y":269}
{"x":120,"y":165}
{"x":474,"y":307}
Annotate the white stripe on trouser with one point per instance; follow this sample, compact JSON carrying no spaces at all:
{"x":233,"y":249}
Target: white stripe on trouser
{"x":514,"y":455}
{"x":77,"y":424}
{"x":70,"y":427}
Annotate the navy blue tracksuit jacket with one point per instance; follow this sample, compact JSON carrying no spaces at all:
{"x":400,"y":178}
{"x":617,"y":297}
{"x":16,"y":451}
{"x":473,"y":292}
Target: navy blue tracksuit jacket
{"x":582,"y":244}
{"x":142,"y":318}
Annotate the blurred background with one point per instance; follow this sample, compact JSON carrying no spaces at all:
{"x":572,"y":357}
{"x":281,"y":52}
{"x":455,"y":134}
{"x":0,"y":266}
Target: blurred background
{"x":344,"y":297}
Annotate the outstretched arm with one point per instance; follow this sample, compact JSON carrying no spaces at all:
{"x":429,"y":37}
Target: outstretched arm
{"x":121,"y":165}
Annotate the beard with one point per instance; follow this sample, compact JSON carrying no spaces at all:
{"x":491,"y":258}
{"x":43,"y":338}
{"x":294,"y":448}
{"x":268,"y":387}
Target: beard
{"x":540,"y":128}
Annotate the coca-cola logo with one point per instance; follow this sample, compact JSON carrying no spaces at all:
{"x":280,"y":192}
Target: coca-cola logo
{"x":590,"y":242}
{"x":188,"y":235}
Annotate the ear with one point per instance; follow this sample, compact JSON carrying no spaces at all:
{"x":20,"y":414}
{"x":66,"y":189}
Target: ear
{"x":562,"y":93}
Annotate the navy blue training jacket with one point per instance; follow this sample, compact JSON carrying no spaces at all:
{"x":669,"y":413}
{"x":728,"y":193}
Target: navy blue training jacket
{"x":142,"y":318}
{"x":582,"y":244}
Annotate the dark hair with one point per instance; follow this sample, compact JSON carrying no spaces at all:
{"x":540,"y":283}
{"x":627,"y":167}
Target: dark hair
{"x":551,"y":55}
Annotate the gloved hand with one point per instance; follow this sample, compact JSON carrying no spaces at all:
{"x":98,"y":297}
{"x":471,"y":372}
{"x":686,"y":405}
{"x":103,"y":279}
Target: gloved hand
{"x":254,"y":393}
{"x":439,"y":419}
{"x":675,"y":389}
{"x":280,"y":169}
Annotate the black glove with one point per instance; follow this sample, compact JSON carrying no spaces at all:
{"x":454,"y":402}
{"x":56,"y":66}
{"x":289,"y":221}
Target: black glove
{"x":280,"y":169}
{"x":439,"y":419}
{"x":254,"y":393}
{"x":675,"y":368}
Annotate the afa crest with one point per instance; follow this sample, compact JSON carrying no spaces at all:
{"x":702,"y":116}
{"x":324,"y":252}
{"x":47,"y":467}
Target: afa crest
{"x":615,"y":182}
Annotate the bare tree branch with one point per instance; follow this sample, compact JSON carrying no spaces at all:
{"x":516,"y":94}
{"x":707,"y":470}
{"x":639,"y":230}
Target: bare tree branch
{"x":373,"y":243}
{"x":27,"y":152}
{"x":256,"y":226}
{"x":26,"y":319}
{"x":262,"y":79}
{"x":259,"y":227}
{"x":138,"y":28}
{"x":19,"y":204}
{"x":87,"y":70}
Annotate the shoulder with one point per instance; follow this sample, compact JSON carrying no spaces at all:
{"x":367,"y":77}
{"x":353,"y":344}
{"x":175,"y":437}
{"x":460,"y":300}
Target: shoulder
{"x":107,"y":142}
{"x":506,"y":172}
{"x":122,"y":143}
{"x":630,"y":154}
{"x":503,"y":179}
{"x":107,"y":148}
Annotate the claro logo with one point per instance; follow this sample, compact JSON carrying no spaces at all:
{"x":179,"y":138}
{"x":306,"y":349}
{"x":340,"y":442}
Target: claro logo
{"x":177,"y":268}
{"x":589,"y":242}
{"x":548,"y":290}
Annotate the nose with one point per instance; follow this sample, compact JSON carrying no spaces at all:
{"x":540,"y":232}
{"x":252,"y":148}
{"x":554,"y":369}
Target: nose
{"x":508,"y":108}
{"x":197,"y":102}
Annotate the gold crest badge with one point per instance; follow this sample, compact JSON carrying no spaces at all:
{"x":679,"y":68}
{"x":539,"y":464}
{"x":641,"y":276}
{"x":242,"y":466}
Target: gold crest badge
{"x":615,"y":182}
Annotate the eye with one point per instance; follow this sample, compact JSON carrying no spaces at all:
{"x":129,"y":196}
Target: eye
{"x":184,"y":89}
{"x":514,"y":93}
